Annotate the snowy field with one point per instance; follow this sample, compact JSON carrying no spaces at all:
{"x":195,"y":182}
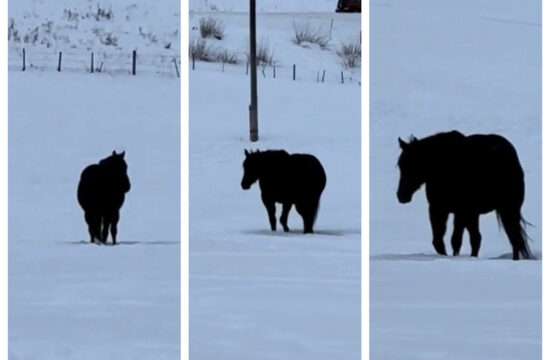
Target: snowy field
{"x":474,"y":67}
{"x":69,"y":299}
{"x":255,"y":294}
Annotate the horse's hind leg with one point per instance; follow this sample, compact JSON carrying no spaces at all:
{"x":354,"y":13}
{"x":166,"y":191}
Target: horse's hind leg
{"x":270,"y":207}
{"x":94,"y":225}
{"x":472,"y":225}
{"x":307,"y":212}
{"x":458,"y":231}
{"x":511,"y":220}
{"x":438,"y":219}
{"x":284,"y":215}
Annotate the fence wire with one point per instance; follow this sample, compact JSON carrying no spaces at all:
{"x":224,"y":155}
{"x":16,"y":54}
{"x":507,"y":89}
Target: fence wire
{"x":343,"y":76}
{"x":115,"y":62}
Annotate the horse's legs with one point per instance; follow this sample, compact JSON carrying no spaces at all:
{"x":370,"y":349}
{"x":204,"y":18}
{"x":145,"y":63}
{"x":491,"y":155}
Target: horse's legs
{"x":511,"y":220}
{"x":307,"y":211}
{"x":472,"y":224}
{"x":438,"y":219}
{"x":105,"y":229}
{"x":284,"y":215}
{"x":458,"y":231}
{"x":270,"y":207}
{"x":114,"y":221}
{"x":94,"y":225}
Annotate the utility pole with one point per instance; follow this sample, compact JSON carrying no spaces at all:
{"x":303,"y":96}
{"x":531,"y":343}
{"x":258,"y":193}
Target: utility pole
{"x":253,"y":107}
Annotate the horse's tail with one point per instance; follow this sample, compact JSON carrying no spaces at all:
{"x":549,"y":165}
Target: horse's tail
{"x":524,"y":249}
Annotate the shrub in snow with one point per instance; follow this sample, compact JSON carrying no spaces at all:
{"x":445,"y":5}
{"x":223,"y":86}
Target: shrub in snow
{"x":304,"y":33}
{"x":350,"y":53}
{"x":227,"y":57}
{"x":264,"y":54}
{"x":210,"y":27}
{"x":201,"y":50}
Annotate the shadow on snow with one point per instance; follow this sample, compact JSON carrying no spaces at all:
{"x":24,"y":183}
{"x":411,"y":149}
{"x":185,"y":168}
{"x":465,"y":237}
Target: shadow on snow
{"x":297,"y":232}
{"x":432,"y":257}
{"x":124,"y":243}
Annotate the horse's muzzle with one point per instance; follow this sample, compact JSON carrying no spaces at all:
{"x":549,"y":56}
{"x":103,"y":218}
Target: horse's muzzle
{"x":404,"y":198}
{"x":245,"y":186}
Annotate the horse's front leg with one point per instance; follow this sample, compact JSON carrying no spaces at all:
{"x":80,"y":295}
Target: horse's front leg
{"x":284,"y":216}
{"x":105,"y":229}
{"x":113,"y":220}
{"x":270,"y":207}
{"x":438,"y":219}
{"x":458,"y":232}
{"x":475,"y":236}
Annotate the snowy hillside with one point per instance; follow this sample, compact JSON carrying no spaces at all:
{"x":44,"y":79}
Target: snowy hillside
{"x":280,"y":6}
{"x":325,"y":34}
{"x":110,"y":29}
{"x":437,"y":66}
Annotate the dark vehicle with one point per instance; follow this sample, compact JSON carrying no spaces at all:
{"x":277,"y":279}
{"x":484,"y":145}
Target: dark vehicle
{"x":290,"y":179}
{"x":466,"y":176}
{"x":348,"y":6}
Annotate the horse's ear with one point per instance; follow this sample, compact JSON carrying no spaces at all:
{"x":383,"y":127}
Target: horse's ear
{"x":122,"y":154}
{"x":246,"y":153}
{"x":402,"y":144}
{"x":114,"y":153}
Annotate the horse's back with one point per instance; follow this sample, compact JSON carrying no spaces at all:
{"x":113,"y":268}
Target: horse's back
{"x":494,"y":155}
{"x":494,"y":171}
{"x":309,"y":169}
{"x":87,"y":187}
{"x":95,"y":191}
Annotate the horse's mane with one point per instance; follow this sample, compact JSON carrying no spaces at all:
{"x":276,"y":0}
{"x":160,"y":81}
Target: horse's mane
{"x":440,"y":140}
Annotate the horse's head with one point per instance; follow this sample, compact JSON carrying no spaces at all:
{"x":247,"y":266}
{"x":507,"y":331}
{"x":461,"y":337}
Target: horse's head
{"x":251,"y":168}
{"x":116,"y":166}
{"x":411,"y":166}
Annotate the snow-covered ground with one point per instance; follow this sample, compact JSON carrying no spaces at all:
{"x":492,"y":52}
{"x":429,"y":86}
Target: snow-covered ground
{"x":69,"y":299}
{"x":436,"y":66}
{"x":255,"y":294}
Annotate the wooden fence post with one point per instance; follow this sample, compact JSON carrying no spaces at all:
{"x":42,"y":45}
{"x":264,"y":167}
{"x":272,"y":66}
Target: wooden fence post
{"x":294,"y":72}
{"x":247,"y":64}
{"x":92,"y":63}
{"x":24,"y":63}
{"x":274,"y":75}
{"x":134,"y":55}
{"x":176,"y":66}
{"x":59,"y":61}
{"x":323,"y":79}
{"x":193,"y":59}
{"x":342,"y":73}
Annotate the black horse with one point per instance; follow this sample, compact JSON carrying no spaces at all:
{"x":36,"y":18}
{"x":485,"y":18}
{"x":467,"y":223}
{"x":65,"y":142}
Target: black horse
{"x":101,"y":193}
{"x":467,"y":176}
{"x":297,"y":179}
